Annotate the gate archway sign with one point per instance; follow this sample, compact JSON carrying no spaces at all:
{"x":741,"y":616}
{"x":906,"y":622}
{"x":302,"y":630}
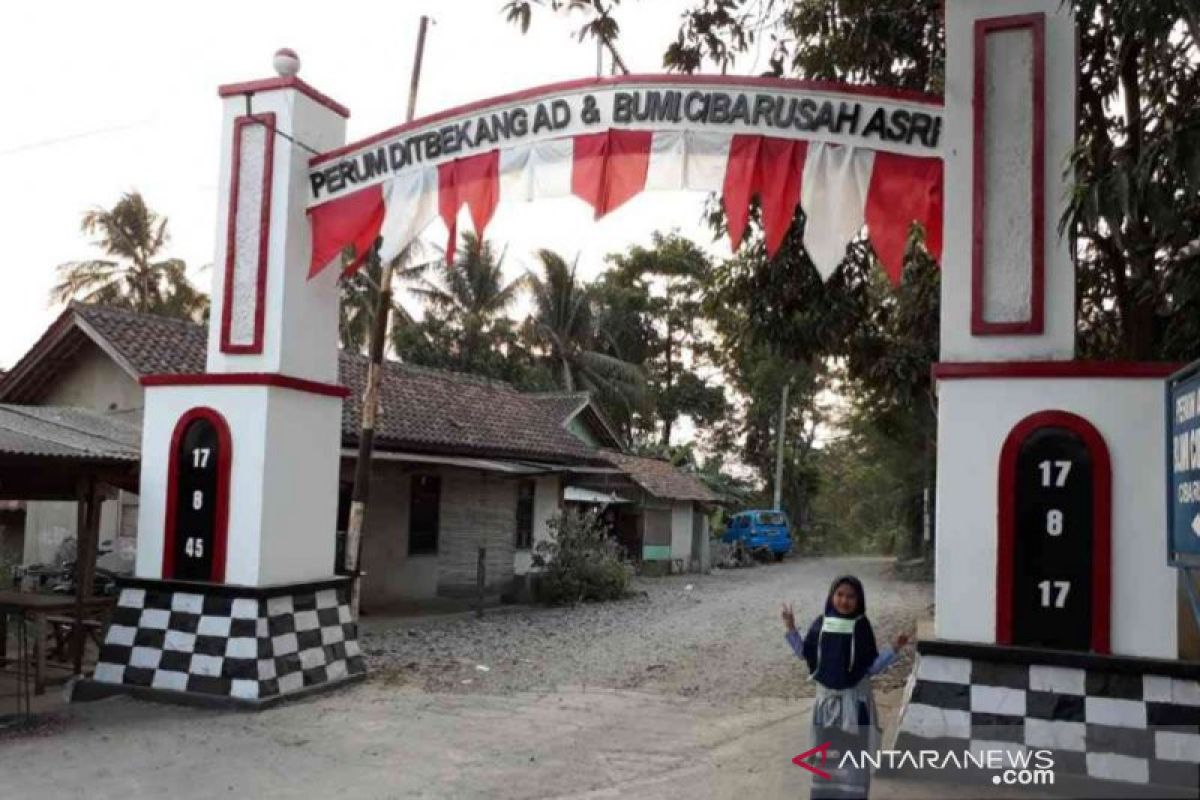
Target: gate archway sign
{"x":271,"y":620}
{"x":848,"y":155}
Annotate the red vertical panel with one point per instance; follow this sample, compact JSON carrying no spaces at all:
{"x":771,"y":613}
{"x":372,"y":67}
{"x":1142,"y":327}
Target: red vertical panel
{"x":740,"y":174}
{"x":587,"y":168}
{"x":903,"y":189}
{"x":779,"y":172}
{"x":474,"y":181}
{"x":477,"y":183}
{"x":353,"y":219}
{"x":610,"y":168}
{"x":264,"y":235}
{"x":625,"y":168}
{"x":448,"y":206}
{"x":1035,"y":324}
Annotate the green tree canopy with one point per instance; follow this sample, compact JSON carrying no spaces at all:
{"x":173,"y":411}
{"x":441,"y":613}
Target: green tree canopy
{"x":132,"y":272}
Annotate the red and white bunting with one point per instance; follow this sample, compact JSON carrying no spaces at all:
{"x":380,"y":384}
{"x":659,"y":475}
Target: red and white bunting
{"x":840,"y":188}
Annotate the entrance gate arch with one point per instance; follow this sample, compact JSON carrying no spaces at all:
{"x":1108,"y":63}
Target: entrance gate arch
{"x":981,"y":170}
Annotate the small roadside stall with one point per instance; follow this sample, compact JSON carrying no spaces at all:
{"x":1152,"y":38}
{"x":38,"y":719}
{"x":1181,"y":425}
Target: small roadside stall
{"x":61,"y":453}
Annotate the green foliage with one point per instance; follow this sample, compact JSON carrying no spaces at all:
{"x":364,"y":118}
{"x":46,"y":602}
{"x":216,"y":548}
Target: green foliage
{"x":650,"y":308}
{"x":580,"y":561}
{"x":1135,"y":203}
{"x":359,"y":296}
{"x":600,"y":24}
{"x":1134,"y":208}
{"x":564,"y":331}
{"x":132,"y":276}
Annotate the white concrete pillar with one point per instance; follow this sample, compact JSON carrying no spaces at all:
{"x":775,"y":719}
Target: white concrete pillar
{"x":1008,"y":278}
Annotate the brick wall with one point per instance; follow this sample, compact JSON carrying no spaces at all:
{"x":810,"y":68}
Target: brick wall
{"x":477,"y":509}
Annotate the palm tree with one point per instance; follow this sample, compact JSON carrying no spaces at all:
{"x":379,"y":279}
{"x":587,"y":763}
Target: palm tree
{"x":131,"y":236}
{"x":471,"y":296}
{"x":359,"y":295}
{"x":563,"y":325}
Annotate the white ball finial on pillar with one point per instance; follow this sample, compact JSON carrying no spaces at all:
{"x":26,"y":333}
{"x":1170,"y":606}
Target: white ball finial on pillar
{"x":287,"y":63}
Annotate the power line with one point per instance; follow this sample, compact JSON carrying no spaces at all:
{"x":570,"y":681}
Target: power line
{"x":72,"y":137}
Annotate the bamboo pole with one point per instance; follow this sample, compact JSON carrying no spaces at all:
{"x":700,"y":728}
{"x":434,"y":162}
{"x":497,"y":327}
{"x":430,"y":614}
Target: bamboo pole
{"x":370,"y":408}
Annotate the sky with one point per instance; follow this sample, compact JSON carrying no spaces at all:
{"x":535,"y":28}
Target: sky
{"x":105,"y":98}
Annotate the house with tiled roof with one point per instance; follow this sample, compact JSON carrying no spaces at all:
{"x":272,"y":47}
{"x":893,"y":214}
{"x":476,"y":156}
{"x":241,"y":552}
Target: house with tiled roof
{"x":461,"y":462}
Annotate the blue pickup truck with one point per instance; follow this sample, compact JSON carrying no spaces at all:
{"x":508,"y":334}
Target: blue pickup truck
{"x":760,"y":531}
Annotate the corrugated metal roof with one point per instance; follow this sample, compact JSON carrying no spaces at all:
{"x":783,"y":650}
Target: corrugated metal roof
{"x":69,"y":432}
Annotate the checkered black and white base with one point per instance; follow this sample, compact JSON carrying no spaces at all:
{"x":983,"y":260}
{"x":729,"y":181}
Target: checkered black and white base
{"x":1107,"y":718}
{"x":209,"y":641}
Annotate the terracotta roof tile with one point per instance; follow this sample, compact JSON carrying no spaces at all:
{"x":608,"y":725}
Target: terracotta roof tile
{"x":422,"y":409}
{"x":660,"y":477}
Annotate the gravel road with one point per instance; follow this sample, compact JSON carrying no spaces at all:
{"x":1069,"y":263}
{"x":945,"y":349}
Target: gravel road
{"x":715,"y":636}
{"x":675,"y":692}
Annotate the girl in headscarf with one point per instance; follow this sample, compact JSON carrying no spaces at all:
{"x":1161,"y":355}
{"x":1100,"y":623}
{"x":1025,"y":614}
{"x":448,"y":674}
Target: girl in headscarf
{"x":841,"y":654}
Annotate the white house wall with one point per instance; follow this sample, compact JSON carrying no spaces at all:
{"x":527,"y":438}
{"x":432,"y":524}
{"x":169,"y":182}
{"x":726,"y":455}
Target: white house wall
{"x":50,"y":523}
{"x":975,"y":417}
{"x":391,"y":574}
{"x":93,"y":380}
{"x":681,"y":532}
{"x":547,"y":500}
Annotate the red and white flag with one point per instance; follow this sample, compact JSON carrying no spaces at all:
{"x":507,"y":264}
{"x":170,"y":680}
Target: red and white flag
{"x":839,"y":187}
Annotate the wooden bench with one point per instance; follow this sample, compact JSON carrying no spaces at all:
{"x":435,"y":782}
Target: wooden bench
{"x":62,"y":629}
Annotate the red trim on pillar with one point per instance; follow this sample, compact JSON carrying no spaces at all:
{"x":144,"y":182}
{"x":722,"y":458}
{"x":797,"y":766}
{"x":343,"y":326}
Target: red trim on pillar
{"x":255,"y":345}
{"x":960,"y":370}
{"x":1036,"y":323}
{"x":1101,"y":522}
{"x":224,"y":465}
{"x":247,"y":379}
{"x":270,"y":84}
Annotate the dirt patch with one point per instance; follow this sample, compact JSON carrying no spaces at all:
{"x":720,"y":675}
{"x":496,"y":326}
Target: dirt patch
{"x":714,"y":636}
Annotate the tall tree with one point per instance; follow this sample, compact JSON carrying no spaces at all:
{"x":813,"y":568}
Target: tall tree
{"x":472,"y":297}
{"x":358,"y":296}
{"x":132,"y":274}
{"x":1135,"y":205}
{"x":467,"y":326}
{"x":651,"y":310}
{"x":563,"y":329}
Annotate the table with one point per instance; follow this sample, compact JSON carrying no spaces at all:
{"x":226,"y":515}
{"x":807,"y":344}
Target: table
{"x":37,"y":607}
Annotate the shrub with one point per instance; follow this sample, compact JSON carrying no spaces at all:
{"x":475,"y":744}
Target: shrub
{"x":580,"y":561}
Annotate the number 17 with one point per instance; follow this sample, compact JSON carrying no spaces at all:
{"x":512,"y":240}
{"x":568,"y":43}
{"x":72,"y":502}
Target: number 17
{"x":1048,"y":476}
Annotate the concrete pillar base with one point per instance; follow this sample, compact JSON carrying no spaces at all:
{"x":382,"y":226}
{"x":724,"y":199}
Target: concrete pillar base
{"x":227,"y":645}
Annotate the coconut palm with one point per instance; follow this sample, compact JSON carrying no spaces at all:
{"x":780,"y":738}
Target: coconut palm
{"x":563,"y":326}
{"x":359,"y":295}
{"x":131,"y":275}
{"x":471,"y":296}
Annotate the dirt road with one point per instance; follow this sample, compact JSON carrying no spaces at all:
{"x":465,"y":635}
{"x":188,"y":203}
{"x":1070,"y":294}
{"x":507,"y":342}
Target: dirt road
{"x":716,"y":637}
{"x":679,"y":693}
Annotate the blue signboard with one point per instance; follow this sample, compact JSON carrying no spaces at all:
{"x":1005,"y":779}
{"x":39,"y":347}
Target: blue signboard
{"x":1183,"y":467}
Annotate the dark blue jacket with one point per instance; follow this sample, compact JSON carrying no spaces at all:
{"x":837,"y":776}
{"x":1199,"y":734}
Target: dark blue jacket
{"x":841,"y":660}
